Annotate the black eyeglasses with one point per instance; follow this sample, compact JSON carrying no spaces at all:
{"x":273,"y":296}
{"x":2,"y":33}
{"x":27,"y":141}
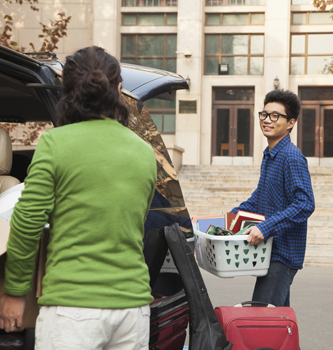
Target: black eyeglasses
{"x":274,"y":116}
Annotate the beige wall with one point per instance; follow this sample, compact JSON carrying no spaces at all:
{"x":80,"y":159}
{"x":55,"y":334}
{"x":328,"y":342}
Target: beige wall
{"x":106,"y":21}
{"x":26,"y":26}
{"x":98,"y":22}
{"x":190,"y":34}
{"x":277,"y":31}
{"x":209,"y":82}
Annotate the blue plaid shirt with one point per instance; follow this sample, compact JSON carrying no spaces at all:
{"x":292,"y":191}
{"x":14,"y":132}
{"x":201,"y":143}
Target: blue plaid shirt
{"x":284,"y":195}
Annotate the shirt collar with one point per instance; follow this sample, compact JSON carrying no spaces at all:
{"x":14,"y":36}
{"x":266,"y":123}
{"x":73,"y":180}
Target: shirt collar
{"x":274,"y":151}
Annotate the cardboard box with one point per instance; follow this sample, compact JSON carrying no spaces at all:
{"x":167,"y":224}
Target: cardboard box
{"x":31,"y":309}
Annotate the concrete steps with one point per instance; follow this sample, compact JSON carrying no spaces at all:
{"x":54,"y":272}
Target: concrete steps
{"x":214,"y":190}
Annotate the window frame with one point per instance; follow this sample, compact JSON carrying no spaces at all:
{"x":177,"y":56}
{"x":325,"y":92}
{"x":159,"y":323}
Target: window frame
{"x":305,"y":55}
{"x":234,"y":13}
{"x":163,"y":111}
{"x":173,"y":3}
{"x":148,"y":13}
{"x":136,"y":57}
{"x":248,"y":55}
{"x":307,"y":23}
{"x":221,"y":3}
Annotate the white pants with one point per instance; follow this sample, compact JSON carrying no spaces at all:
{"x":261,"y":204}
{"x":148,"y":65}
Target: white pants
{"x":72,"y":328}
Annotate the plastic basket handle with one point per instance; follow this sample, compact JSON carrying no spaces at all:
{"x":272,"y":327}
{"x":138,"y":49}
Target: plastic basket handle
{"x":256,"y":303}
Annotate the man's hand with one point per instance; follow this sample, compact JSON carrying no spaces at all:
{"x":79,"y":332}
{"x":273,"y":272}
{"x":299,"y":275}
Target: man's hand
{"x":255,"y":235}
{"x":11,"y":313}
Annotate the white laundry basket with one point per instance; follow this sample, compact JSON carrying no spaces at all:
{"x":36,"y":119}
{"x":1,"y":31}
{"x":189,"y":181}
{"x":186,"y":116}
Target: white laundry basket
{"x":169,"y":265}
{"x":231,"y":256}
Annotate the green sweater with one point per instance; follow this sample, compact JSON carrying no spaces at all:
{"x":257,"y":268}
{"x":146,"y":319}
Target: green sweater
{"x":93,"y":182}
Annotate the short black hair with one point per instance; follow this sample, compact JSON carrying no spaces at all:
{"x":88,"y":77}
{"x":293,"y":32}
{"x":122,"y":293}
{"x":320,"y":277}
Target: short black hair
{"x":288,"y":99}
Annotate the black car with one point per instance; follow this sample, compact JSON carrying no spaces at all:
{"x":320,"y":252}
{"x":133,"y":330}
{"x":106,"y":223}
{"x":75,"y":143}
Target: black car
{"x":29,"y":91}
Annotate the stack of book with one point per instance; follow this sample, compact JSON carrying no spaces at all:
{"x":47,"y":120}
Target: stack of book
{"x":228,"y":222}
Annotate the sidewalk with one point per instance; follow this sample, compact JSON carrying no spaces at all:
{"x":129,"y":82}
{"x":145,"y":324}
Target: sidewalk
{"x":311,"y":298}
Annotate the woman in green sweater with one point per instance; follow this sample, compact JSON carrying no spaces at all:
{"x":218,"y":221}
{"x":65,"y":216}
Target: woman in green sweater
{"x":87,"y":180}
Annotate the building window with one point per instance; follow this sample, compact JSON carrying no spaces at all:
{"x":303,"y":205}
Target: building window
{"x":234,"y":19}
{"x":301,"y":2}
{"x":311,"y":18}
{"x":150,"y":19}
{"x":142,"y":3}
{"x":244,"y":54}
{"x":234,"y":2}
{"x":163,"y":114}
{"x":155,"y":51}
{"x":311,"y":54}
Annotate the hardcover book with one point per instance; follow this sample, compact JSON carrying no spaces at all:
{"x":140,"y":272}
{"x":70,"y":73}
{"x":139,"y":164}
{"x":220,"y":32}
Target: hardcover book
{"x":204,"y":223}
{"x":242,"y":216}
{"x":229,"y":217}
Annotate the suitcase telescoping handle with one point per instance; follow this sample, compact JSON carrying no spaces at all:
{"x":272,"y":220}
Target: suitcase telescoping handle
{"x":244,"y":303}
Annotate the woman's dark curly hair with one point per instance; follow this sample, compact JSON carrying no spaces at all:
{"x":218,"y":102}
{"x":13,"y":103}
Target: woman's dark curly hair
{"x":90,"y":88}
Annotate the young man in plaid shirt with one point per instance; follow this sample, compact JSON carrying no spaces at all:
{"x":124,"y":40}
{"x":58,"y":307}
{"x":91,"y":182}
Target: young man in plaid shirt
{"x":284,"y":196}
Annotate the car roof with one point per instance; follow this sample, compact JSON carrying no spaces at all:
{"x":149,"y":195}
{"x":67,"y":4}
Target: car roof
{"x":145,"y":83}
{"x":28,"y":78}
{"x":142,"y":83}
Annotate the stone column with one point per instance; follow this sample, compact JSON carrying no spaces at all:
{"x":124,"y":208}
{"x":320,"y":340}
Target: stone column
{"x":106,"y":25}
{"x":277,"y":39}
{"x":190,"y":35}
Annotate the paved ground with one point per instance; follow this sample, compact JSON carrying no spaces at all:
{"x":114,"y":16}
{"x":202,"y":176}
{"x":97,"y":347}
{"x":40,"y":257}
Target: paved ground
{"x":311,"y":298}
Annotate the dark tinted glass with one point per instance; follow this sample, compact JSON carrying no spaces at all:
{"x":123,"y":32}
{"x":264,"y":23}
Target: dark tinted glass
{"x":243,"y":132}
{"x":237,"y":65}
{"x":172,"y":19}
{"x":154,"y":103}
{"x":128,"y":45}
{"x":151,"y":62}
{"x":150,"y":45}
{"x":308,"y":132}
{"x":328,"y":127}
{"x":149,"y":19}
{"x":235,"y":44}
{"x":128,"y":60}
{"x":157,"y":118}
{"x":143,"y":3}
{"x":171,"y":65}
{"x":211,"y":65}
{"x":169,"y":123}
{"x":222,"y":132}
{"x":212,"y":43}
{"x":225,"y":94}
{"x":171,"y":45}
{"x":316,"y":94}
{"x":170,"y":104}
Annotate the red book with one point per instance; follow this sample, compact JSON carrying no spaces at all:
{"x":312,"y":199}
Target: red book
{"x":244,"y":215}
{"x":228,"y":217}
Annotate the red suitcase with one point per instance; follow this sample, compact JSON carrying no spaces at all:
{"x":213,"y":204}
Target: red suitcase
{"x":254,"y":328}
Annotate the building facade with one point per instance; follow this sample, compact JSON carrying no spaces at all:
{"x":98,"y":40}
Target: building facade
{"x":239,"y":50}
{"x":232,"y":52}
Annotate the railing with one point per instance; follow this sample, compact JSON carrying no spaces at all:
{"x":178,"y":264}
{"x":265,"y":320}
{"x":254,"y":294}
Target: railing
{"x":143,"y":3}
{"x":234,"y":2}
